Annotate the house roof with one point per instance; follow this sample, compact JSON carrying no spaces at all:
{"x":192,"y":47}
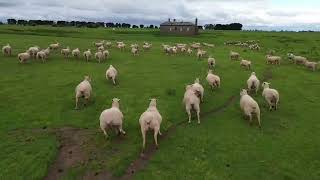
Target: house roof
{"x":172,"y":23}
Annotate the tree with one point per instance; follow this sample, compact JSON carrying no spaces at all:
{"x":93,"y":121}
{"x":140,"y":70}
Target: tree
{"x":156,"y":27}
{"x":11,"y":21}
{"x":141,"y":26}
{"x":151,"y":26}
{"x":135,"y":26}
{"x":22,"y":22}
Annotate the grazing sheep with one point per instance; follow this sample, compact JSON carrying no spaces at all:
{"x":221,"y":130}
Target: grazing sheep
{"x":189,"y":51}
{"x":150,"y":120}
{"x":297,"y":59}
{"x":33,"y":51}
{"x":66,"y":52}
{"x":201,"y":53}
{"x":121,"y":45}
{"x":192,"y":102}
{"x":54,"y":46}
{"x":23,"y":57}
{"x":76,"y":53}
{"x":98,"y":44}
{"x":234,"y":55}
{"x":213,"y":80}
{"x":211,"y":62}
{"x":270,"y":95}
{"x":253,"y":82}
{"x":249,"y":106}
{"x":112,"y":117}
{"x":100,"y":48}
{"x":99,"y":56}
{"x":106,"y":54}
{"x":198,"y":88}
{"x":273,"y":59}
{"x":87,"y":55}
{"x":134,"y":51}
{"x":84,"y":90}
{"x":41,"y":55}
{"x":47,"y":52}
{"x":112,"y":73}
{"x":246,"y":64}
{"x":6,"y":50}
{"x":311,"y":65}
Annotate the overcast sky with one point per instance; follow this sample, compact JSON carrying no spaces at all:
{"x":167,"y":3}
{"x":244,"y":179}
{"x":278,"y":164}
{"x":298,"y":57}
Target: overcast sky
{"x":252,"y":13}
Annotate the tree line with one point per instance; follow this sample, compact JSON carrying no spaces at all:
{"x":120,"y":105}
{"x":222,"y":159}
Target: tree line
{"x":76,"y":24}
{"x":232,"y":26}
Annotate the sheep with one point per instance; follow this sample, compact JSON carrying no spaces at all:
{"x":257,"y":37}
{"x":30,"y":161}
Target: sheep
{"x":191,"y":102}
{"x":66,"y":52}
{"x":112,"y":73}
{"x":201,"y":53}
{"x":198,"y":88}
{"x":106,"y":54}
{"x":84,"y":90}
{"x":47,"y":51}
{"x":33,"y":51}
{"x":87,"y":54}
{"x":249,"y":106}
{"x":273,"y":59}
{"x":98,"y":44}
{"x":41,"y":55}
{"x":76,"y":53}
{"x":234,"y":55}
{"x":189,"y":51}
{"x":174,"y":50}
{"x":211,"y":62}
{"x":100,"y":48}
{"x":121,"y":46}
{"x":134,"y":46}
{"x":112,"y":117}
{"x":54,"y":46}
{"x":6,"y":50}
{"x":213,"y":80}
{"x":253,"y":82}
{"x":209,"y":45}
{"x":195,"y":46}
{"x":297,"y":59}
{"x":23,"y":57}
{"x":108,"y":44}
{"x":134,"y":51}
{"x":311,"y":65}
{"x":245,"y":63}
{"x":150,"y":120}
{"x":99,"y":56}
{"x":147,"y":46}
{"x":270,"y":95}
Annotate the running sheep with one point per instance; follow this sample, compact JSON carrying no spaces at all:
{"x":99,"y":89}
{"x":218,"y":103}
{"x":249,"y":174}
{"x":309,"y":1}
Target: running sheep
{"x":41,"y":55}
{"x":54,"y":46}
{"x":273,"y":59}
{"x":211,"y":62}
{"x":76,"y":53}
{"x":84,"y":90}
{"x":87,"y":55}
{"x":297,"y":59}
{"x":191,"y":102}
{"x":311,"y":65}
{"x":112,"y":73}
{"x":213,"y":80}
{"x":234,"y":55}
{"x":99,"y":56}
{"x":245,"y":64}
{"x":270,"y":95}
{"x":198,"y":89}
{"x":249,"y":106}
{"x":253,"y":83}
{"x":7,"y":50}
{"x":23,"y":57}
{"x":66,"y":52}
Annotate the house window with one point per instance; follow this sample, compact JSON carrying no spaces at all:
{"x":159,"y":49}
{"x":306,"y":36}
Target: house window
{"x":181,"y":29}
{"x":175,"y":28}
{"x":188,"y":29}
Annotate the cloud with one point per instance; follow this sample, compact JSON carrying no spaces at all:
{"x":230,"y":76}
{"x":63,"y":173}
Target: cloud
{"x":247,"y":12}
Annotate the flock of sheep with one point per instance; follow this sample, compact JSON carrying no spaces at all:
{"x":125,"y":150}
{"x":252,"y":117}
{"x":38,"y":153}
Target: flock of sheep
{"x":194,"y":94}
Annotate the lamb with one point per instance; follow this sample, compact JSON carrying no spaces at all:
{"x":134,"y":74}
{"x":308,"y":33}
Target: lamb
{"x":66,"y":52}
{"x":87,"y":54}
{"x":234,"y":55}
{"x":270,"y":95}
{"x":76,"y":53}
{"x":249,"y":106}
{"x":112,"y":73}
{"x":98,"y":44}
{"x":213,"y":80}
{"x":211,"y":62}
{"x":253,"y":82}
{"x":23,"y":57}
{"x":99,"y":56}
{"x":41,"y":55}
{"x":6,"y":50}
{"x":106,"y":54}
{"x":273,"y":59}
{"x":134,"y":51}
{"x":198,"y":89}
{"x":33,"y":51}
{"x":150,"y":120}
{"x":54,"y":46}
{"x":297,"y":59}
{"x":83,"y":89}
{"x":192,"y":102}
{"x":112,"y":117}
{"x":245,"y":63}
{"x":311,"y":65}
{"x":100,"y":48}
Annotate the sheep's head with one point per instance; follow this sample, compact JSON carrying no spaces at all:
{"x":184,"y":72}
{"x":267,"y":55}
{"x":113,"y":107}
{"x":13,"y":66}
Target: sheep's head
{"x":197,"y":80}
{"x":88,"y":78}
{"x":153,"y":102}
{"x":265,"y":85}
{"x":253,"y":74}
{"x":116,"y":102}
{"x":243,"y":92}
{"x":210,"y":71}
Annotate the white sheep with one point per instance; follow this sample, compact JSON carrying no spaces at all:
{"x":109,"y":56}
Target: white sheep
{"x":106,"y":54}
{"x":297,"y":59}
{"x":33,"y":51}
{"x":150,"y":120}
{"x":253,"y":82}
{"x":112,"y":73}
{"x":100,"y":48}
{"x":83,"y":89}
{"x":147,"y":46}
{"x":273,"y":59}
{"x":121,"y":46}
{"x":191,"y":102}
{"x":54,"y":46}
{"x":87,"y":54}
{"x":201,"y":53}
{"x":198,"y":88}
{"x":99,"y":56}
{"x":47,"y":52}
{"x":134,"y":51}
{"x":41,"y":55}
{"x":234,"y":55}
{"x":246,"y":64}
{"x":189,"y":51}
{"x":23,"y":57}
{"x":66,"y":52}
{"x":98,"y":44}
{"x":311,"y":65}
{"x":108,"y":44}
{"x":249,"y":106}
{"x":270,"y":95}
{"x":7,"y":50}
{"x":76,"y":53}
{"x":211,"y":62}
{"x":112,"y":117}
{"x":213,"y":80}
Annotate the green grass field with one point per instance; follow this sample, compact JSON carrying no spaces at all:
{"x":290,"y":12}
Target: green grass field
{"x":37,"y":99}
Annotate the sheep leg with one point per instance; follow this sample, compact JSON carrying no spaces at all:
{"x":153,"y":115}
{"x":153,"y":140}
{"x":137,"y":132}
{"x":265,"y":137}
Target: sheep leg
{"x":77,"y":100}
{"x":189,"y":113}
{"x":143,"y":132}
{"x":121,"y":130}
{"x":114,"y":81}
{"x":197,"y":108}
{"x":104,"y":131}
{"x":250,"y":118}
{"x":259,"y":121}
{"x":155,"y":136}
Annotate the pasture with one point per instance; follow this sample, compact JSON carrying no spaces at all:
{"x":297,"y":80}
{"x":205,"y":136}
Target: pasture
{"x":38,"y":122}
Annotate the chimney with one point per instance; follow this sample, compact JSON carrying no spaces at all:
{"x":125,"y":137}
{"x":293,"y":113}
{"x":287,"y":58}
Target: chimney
{"x":196,"y":22}
{"x":174,"y":20}
{"x":169,"y":20}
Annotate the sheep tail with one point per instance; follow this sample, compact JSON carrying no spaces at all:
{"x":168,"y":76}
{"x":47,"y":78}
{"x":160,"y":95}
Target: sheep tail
{"x":253,"y":86}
